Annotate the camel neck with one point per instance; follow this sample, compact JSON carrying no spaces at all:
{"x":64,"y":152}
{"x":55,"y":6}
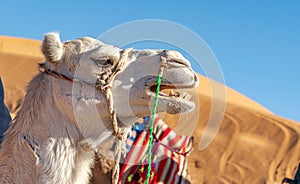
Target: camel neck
{"x":44,"y":137}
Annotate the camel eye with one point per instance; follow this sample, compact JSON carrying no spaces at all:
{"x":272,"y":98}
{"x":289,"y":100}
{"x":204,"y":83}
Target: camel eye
{"x":109,"y":62}
{"x":102,"y":61}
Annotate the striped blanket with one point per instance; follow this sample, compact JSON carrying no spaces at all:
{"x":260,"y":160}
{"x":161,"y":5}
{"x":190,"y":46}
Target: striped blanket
{"x":169,"y":162}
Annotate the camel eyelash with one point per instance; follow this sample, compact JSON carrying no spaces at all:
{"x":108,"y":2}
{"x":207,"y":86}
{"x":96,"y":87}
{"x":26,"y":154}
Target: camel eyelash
{"x":103,"y":61}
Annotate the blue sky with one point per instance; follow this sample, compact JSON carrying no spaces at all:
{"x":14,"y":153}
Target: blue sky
{"x":257,"y":43}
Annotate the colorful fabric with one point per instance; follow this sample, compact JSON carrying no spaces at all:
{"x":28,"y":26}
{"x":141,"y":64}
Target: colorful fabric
{"x":169,"y":156}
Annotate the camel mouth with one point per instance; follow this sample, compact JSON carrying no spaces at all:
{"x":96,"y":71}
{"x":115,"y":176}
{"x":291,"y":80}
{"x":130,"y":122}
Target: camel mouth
{"x":173,"y":97}
{"x":171,"y":91}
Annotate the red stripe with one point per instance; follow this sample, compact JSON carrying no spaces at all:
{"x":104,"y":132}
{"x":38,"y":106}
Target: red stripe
{"x":161,"y":167}
{"x":177,"y":169}
{"x":169,"y":173}
{"x":166,"y":166}
{"x":140,"y":147}
{"x":156,"y":120}
{"x":174,"y":141}
{"x":183,"y":145}
{"x":165,"y":133}
{"x":161,"y":164}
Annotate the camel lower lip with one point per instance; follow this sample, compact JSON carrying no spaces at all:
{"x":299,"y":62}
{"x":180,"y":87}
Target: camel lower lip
{"x":172,"y":104}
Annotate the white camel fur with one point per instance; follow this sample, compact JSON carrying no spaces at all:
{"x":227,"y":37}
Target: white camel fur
{"x":61,"y":124}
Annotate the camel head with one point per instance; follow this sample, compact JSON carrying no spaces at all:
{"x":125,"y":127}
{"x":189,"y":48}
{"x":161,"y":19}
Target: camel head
{"x":133,"y":88}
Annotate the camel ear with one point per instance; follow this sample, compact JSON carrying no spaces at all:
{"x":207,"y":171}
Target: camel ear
{"x":52,"y":47}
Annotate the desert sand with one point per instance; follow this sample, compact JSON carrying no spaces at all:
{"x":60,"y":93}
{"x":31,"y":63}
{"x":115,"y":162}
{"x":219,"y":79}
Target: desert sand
{"x":252,"y":146}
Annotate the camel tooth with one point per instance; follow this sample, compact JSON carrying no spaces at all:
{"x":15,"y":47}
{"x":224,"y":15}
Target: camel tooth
{"x":162,"y":94}
{"x":177,"y":94}
{"x":171,"y":93}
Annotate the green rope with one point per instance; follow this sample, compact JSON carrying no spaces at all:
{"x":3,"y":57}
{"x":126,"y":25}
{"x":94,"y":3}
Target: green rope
{"x":151,"y":128}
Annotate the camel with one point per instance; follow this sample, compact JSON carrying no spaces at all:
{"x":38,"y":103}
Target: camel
{"x":84,"y":100}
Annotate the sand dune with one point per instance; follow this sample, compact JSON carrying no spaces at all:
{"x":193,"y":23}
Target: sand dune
{"x":252,"y":146}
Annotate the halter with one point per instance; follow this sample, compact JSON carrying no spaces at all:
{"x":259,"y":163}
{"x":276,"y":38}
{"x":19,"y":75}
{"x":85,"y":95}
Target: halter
{"x":105,"y":87}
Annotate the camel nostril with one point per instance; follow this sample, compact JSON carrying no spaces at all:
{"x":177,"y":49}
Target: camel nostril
{"x":176,"y":58}
{"x":181,"y":61}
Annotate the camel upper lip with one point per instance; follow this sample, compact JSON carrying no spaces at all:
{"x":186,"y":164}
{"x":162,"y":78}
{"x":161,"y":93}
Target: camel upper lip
{"x":163,"y":86}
